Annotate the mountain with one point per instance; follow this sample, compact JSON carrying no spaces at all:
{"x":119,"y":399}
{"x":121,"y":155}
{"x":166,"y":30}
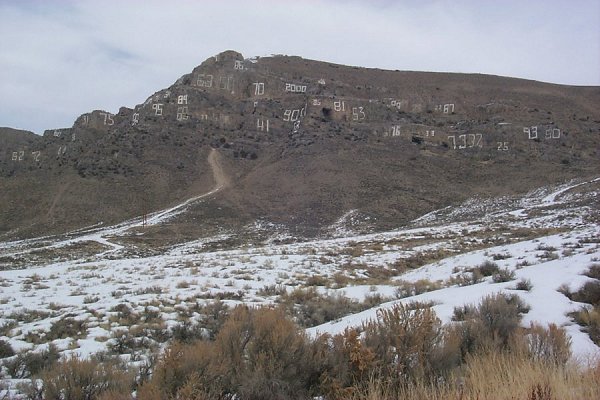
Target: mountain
{"x":298,"y":144}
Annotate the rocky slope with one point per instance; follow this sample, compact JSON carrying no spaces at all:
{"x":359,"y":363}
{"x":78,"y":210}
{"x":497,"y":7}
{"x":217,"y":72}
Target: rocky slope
{"x":301,"y":143}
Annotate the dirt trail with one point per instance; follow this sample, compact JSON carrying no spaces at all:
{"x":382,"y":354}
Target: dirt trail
{"x":62,"y":189}
{"x":221,"y":179}
{"x":106,"y":234}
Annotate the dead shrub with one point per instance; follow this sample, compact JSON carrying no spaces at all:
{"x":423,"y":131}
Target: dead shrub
{"x":491,"y":326}
{"x":202,"y":320}
{"x":258,"y":354}
{"x":317,"y":280}
{"x":76,"y":379}
{"x":550,"y":345}
{"x":500,"y":315}
{"x":524,"y":284}
{"x":589,"y":293}
{"x":271,"y":290}
{"x":565,"y":290}
{"x":488,"y":268}
{"x":404,"y":342}
{"x":309,"y":308}
{"x":355,"y":250}
{"x":402,"y":265}
{"x":593,"y":271}
{"x":348,"y":364}
{"x":67,"y":328}
{"x":7,"y":327}
{"x":125,"y":315}
{"x":464,"y":312}
{"x":589,"y":319}
{"x":264,"y":354}
{"x":129,"y":341}
{"x":188,"y":332}
{"x":466,"y":279}
{"x":6,"y":349}
{"x":408,"y":289}
{"x":503,"y":275}
{"x":27,"y":364}
{"x":176,"y":366}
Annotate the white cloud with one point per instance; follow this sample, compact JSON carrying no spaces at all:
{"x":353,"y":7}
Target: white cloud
{"x":60,"y":60}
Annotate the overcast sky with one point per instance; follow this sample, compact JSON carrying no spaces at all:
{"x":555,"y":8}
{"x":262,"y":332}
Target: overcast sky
{"x":60,"y":59}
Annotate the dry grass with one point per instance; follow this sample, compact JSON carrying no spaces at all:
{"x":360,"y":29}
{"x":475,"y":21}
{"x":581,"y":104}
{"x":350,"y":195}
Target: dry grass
{"x":500,"y":376}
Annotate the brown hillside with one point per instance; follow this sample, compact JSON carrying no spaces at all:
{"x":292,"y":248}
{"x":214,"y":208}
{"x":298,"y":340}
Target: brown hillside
{"x":301,"y":142}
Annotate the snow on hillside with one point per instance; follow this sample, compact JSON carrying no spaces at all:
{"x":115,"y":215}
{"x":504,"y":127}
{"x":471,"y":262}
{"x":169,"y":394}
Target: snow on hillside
{"x":549,"y":237}
{"x":547,"y":304}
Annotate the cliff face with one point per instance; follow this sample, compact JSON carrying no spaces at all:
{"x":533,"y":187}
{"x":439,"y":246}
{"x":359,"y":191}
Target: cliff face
{"x":302,"y":143}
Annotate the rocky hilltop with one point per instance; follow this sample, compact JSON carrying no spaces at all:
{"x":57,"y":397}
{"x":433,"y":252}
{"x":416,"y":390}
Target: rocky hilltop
{"x":300,"y":144}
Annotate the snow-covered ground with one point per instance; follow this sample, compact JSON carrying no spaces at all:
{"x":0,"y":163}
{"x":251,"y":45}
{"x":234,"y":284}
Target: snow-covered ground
{"x":549,"y":237}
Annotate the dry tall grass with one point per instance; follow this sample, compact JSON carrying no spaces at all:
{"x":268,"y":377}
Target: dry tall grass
{"x":500,"y":376}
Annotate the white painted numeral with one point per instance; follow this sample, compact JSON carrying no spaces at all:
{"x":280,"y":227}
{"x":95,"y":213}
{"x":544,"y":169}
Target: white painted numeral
{"x":62,"y":150}
{"x":36,"y":155}
{"x":135,"y":119}
{"x":316,"y":102}
{"x":453,"y":141}
{"x":238,"y":65}
{"x":108,"y":119}
{"x":204,"y":80}
{"x":292,"y":87}
{"x":260,"y":125}
{"x":532,"y":132}
{"x":226,"y":82}
{"x":259,"y":88}
{"x":182,"y":113}
{"x":553,"y":133}
{"x":182,"y":99}
{"x":502,"y":146}
{"x":15,"y":155}
{"x":395,"y":130}
{"x":475,"y":140}
{"x":470,"y":141}
{"x":358,"y":114}
{"x":57,"y":133}
{"x":158,"y":108}
{"x":448,"y":108}
{"x":294,"y":115}
{"x":339,"y":106}
{"x":430,"y":133}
